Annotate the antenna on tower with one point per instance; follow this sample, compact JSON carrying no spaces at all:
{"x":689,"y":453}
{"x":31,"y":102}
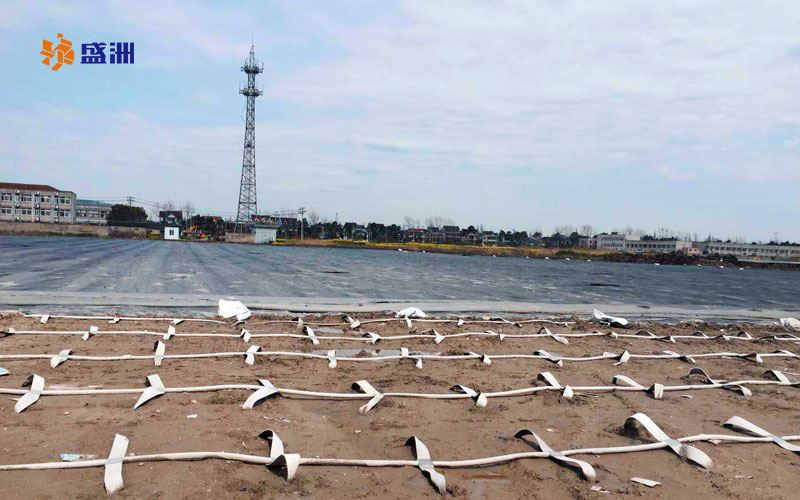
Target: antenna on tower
{"x":248,"y":202}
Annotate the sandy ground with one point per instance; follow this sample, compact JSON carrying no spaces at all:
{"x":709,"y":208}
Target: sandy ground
{"x":451,"y":429}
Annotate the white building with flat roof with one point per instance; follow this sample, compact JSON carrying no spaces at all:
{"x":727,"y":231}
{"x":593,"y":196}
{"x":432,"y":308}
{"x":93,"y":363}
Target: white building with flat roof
{"x":627,"y":243}
{"x":749,"y":251}
{"x":36,"y":203}
{"x":172,"y":233}
{"x":658,"y":246}
{"x":91,"y":212}
{"x":612,"y":241}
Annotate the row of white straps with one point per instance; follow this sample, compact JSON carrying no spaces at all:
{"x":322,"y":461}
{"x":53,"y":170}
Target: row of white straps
{"x":34,"y":388}
{"x":352,"y":323}
{"x":331,"y":356}
{"x":309,"y":334}
{"x":638,"y":424}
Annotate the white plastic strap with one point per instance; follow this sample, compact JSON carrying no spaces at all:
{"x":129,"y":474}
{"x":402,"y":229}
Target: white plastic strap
{"x":280,"y":459}
{"x":353,"y":323}
{"x":548,"y":379}
{"x":332,"y":359}
{"x":558,"y":338}
{"x":682,"y":357}
{"x":740,"y":424}
{"x":684,"y":451}
{"x":92,"y":332}
{"x":585,"y":469}
{"x":425,"y":464}
{"x":744,"y":391}
{"x":250,"y":356}
{"x":500,"y":336}
{"x":374,"y":338}
{"x":310,"y":332}
{"x":625,"y":380}
{"x":657,"y":390}
{"x":36,"y":384}
{"x":260,"y":395}
{"x":112,"y":477}
{"x":154,"y":389}
{"x":480,"y":399}
{"x":60,"y":358}
{"x":158,"y":348}
{"x":170,"y":332}
{"x":754,"y":357}
{"x":697,"y":371}
{"x":549,"y":357}
{"x":366,"y":388}
{"x":779,"y":376}
{"x":275,"y":443}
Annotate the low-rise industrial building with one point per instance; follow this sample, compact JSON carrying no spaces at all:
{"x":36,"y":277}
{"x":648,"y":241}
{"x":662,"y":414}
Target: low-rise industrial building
{"x":658,"y":246}
{"x":91,"y":212}
{"x":627,"y":243}
{"x":36,"y":203}
{"x":265,"y":234}
{"x":749,"y":251}
{"x":612,"y":241}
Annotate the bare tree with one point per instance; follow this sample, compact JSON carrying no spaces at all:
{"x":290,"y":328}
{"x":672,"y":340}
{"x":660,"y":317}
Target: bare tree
{"x":313,"y":217}
{"x":434,"y":221}
{"x":166,"y":205}
{"x":188,"y":210}
{"x":587,"y":230}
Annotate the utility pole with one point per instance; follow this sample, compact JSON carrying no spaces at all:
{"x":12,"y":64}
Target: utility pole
{"x":247,"y":187}
{"x":130,"y":201}
{"x":301,"y":211}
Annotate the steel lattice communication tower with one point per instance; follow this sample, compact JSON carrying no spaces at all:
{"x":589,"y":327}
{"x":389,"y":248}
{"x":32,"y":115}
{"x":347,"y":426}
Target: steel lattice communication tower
{"x":248,"y":203}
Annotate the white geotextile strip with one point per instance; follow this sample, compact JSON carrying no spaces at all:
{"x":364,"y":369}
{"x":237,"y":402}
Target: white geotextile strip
{"x":372,"y":338}
{"x":159,"y":356}
{"x":409,"y":321}
{"x":44,"y":318}
{"x":154,"y":388}
{"x":290,"y":462}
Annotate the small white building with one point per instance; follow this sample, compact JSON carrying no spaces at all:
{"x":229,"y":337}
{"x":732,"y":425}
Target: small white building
{"x":265,"y":234}
{"x":172,"y":233}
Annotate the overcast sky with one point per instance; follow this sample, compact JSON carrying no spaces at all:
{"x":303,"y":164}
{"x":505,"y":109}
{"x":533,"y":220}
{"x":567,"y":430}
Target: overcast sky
{"x":520,"y":114}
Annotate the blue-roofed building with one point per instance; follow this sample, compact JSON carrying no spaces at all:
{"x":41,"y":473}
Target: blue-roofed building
{"x":91,"y":211}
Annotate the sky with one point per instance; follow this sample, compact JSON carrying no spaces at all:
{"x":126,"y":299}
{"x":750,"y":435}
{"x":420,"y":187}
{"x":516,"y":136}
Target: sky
{"x":508,"y":114}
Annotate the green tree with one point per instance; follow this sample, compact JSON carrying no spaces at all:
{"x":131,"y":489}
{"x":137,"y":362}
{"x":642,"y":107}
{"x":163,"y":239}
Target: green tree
{"x":127,"y":215}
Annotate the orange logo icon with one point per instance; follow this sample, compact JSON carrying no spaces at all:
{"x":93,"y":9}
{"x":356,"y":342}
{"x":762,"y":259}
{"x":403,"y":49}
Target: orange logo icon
{"x":63,"y":51}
